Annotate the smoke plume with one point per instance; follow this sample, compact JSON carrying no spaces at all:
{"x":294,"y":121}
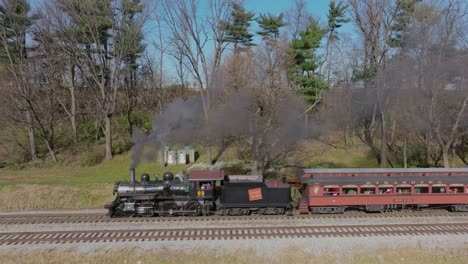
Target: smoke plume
{"x":183,"y":123}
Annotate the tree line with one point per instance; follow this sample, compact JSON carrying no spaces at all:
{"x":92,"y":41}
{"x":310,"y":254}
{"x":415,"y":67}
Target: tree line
{"x":80,"y":73}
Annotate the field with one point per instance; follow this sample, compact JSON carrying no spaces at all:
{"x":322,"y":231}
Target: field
{"x":68,"y":187}
{"x":91,"y":187}
{"x":289,"y":255}
{"x":62,"y":187}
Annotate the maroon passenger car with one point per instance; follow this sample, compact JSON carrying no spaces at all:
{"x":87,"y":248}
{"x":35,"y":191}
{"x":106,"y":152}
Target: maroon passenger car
{"x":378,"y":190}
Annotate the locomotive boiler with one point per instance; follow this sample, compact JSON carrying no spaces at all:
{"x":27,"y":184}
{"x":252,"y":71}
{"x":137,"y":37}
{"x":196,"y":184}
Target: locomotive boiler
{"x":171,"y":195}
{"x":199,"y":192}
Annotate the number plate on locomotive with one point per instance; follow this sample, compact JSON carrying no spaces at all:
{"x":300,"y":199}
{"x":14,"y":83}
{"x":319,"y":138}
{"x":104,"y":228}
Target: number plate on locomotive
{"x":255,"y":194}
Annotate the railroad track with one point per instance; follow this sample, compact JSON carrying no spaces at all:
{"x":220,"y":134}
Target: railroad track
{"x":94,"y":236}
{"x":101,"y":218}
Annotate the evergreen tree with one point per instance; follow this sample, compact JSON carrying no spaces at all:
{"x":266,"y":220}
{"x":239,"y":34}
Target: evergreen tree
{"x":306,"y":61}
{"x":132,"y":32}
{"x":270,"y":25}
{"x":336,"y":18}
{"x":399,"y":29}
{"x":14,"y":23}
{"x":91,"y":23}
{"x":237,"y":28}
{"x":108,"y":40}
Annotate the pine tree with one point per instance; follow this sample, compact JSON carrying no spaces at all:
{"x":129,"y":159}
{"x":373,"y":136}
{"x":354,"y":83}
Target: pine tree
{"x":270,"y":25}
{"x":14,"y":23}
{"x":306,"y":62}
{"x":108,"y":41}
{"x":237,"y":28}
{"x":133,"y":33}
{"x":399,"y":29}
{"x":336,"y":19}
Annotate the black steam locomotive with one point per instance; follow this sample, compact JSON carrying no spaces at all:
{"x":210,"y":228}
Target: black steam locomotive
{"x":199,"y":193}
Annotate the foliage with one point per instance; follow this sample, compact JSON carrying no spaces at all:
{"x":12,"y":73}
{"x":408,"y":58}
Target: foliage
{"x":307,"y":61}
{"x":142,"y":119}
{"x":134,"y":49}
{"x":16,"y":152}
{"x":237,"y":27}
{"x":364,"y":72}
{"x":89,"y":131}
{"x":91,"y":157}
{"x":405,"y":12}
{"x":95,"y":48}
{"x":14,"y":22}
{"x":270,"y":24}
{"x":336,"y":18}
{"x":416,"y":155}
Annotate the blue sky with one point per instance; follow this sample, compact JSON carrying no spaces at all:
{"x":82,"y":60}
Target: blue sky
{"x":318,"y":8}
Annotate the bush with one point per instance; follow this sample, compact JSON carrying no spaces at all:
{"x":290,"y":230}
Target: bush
{"x":91,"y":157}
{"x":64,"y":137}
{"x":142,"y":120}
{"x":416,"y":155}
{"x":121,"y":145}
{"x":15,"y":146}
{"x":89,"y":131}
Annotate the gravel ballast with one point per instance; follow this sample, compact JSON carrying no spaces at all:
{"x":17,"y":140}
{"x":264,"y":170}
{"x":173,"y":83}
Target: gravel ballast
{"x":261,"y":246}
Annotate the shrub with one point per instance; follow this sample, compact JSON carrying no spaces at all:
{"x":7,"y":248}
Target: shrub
{"x":416,"y":155}
{"x":15,"y":146}
{"x":142,"y":120}
{"x":91,"y":157}
{"x":89,"y":131}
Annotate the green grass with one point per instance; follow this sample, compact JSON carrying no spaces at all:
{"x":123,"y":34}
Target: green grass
{"x":62,"y":187}
{"x":107,"y":172}
{"x":340,"y":155}
{"x":347,"y":157}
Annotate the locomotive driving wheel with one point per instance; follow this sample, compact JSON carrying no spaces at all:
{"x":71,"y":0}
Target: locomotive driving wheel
{"x":168,"y":208}
{"x":193,"y":208}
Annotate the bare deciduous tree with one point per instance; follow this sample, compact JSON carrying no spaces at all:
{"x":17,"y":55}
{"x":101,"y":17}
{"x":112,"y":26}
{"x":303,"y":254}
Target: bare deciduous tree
{"x":98,"y":35}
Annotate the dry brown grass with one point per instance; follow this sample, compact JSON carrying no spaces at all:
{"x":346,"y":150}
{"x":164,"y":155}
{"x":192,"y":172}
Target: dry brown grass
{"x":290,"y":255}
{"x":40,"y":197}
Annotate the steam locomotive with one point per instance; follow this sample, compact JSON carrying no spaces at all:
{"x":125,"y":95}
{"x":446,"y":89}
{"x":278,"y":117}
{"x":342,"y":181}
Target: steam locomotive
{"x":199,"y":193}
{"x":322,"y":191}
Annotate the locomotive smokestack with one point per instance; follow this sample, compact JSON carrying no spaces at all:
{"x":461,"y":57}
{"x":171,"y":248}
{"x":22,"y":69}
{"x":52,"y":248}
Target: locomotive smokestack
{"x":132,"y":175}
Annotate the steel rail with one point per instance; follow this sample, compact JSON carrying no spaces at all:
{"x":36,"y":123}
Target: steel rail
{"x":102,"y":218}
{"x":228,"y":233}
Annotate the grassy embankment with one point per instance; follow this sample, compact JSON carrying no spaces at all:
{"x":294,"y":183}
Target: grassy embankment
{"x":91,"y":187}
{"x":68,"y":187}
{"x":290,"y":255}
